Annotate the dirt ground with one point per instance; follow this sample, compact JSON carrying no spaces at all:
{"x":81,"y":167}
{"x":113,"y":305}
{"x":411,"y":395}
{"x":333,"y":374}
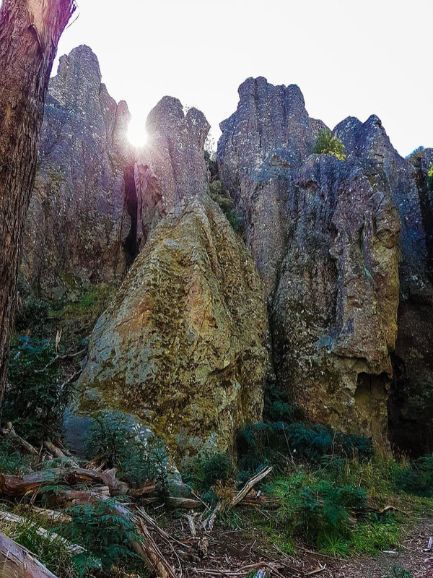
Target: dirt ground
{"x":233,"y":554}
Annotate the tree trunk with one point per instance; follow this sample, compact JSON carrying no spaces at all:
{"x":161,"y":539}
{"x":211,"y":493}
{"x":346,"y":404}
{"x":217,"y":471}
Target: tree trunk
{"x":29,"y":34}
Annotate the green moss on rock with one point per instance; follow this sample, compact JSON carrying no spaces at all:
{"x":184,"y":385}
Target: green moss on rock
{"x":183,"y":344}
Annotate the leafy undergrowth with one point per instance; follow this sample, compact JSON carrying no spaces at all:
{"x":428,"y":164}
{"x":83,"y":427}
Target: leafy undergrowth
{"x":328,"y":491}
{"x":334,"y":504}
{"x":45,"y":359}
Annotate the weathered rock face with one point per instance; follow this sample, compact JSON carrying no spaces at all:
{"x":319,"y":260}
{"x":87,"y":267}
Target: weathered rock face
{"x":324,"y":234}
{"x":369,"y":143}
{"x":335,"y":308}
{"x":182,"y":346}
{"x":262,"y":146}
{"x":172,"y":164}
{"x":77,"y":218}
{"x":411,"y":401}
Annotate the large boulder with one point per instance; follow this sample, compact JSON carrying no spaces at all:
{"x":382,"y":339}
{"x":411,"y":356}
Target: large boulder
{"x":182,"y":345}
{"x":78,"y":219}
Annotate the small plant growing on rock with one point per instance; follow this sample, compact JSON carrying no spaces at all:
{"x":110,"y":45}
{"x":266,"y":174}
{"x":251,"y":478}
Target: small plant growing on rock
{"x":328,"y":144}
{"x":227,"y":205}
{"x":430,"y":178}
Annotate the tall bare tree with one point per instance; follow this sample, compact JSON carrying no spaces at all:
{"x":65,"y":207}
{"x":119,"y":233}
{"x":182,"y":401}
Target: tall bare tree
{"x":29,"y":34}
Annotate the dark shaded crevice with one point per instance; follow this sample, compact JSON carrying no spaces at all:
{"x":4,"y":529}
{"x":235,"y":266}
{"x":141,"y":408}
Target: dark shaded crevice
{"x":425,"y":198}
{"x":131,"y":243}
{"x":370,"y":401}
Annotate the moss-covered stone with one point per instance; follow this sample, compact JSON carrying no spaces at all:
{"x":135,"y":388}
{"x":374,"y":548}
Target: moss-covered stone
{"x":182,"y":345}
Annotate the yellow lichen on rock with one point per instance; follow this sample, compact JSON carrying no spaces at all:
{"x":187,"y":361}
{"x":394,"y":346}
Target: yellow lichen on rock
{"x":183,"y":344}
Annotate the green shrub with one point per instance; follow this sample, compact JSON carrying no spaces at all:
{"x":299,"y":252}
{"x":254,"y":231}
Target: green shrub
{"x":105,"y":535}
{"x":399,"y":572}
{"x":278,"y":406}
{"x":49,"y":549}
{"x":318,"y":510}
{"x":32,"y":314}
{"x":417,"y":478}
{"x":206,"y":469}
{"x":376,"y":475}
{"x":13,"y":461}
{"x":227,"y":205}
{"x":273,"y":442}
{"x":372,"y":537}
{"x":327,"y":143}
{"x":116,"y":438}
{"x":34,"y":402}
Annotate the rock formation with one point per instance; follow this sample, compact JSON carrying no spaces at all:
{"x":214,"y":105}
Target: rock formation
{"x":411,"y":416}
{"x":182,"y":346}
{"x":334,"y":311}
{"x":77,"y":220}
{"x":175,"y":150}
{"x":340,"y":245}
{"x":323,"y":233}
{"x":172,"y":165}
{"x":262,"y":146}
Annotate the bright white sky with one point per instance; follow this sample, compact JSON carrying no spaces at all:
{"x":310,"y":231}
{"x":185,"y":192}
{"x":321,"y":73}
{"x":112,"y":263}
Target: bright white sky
{"x":350,"y":57}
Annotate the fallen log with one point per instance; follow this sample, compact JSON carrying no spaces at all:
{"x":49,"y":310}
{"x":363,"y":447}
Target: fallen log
{"x":9,"y":431}
{"x":209,"y":522}
{"x":18,"y":486}
{"x":184,"y":503}
{"x":146,"y":549}
{"x":146,"y":490}
{"x":58,"y":453}
{"x":17,"y":562}
{"x":52,"y":515}
{"x":52,"y":536}
{"x":250,"y":485}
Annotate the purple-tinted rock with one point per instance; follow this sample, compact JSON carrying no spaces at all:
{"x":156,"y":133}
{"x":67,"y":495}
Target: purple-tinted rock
{"x":262,"y":145}
{"x":175,"y":151}
{"x":334,"y":311}
{"x":324,"y":234}
{"x":77,"y":220}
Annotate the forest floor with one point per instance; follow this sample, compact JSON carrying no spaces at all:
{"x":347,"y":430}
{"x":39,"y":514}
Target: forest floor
{"x":241,"y":552}
{"x":412,"y":555}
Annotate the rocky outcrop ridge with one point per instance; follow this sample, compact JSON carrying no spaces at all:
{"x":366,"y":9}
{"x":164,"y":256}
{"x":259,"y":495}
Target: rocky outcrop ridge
{"x":324,"y":234}
{"x":171,"y":166}
{"x":182,"y":346}
{"x":262,"y":146}
{"x":335,"y":308}
{"x":77,"y":221}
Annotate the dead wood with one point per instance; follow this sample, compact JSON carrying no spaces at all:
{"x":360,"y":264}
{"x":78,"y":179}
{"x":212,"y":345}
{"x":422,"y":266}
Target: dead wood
{"x":18,"y":486}
{"x":209,"y":522}
{"x":10,"y":433}
{"x":58,"y":453}
{"x":14,"y":519}
{"x":53,"y":515}
{"x":17,"y":562}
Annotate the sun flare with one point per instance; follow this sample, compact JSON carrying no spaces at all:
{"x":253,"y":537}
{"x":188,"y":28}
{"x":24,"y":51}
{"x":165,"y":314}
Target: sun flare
{"x":137,"y":134}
